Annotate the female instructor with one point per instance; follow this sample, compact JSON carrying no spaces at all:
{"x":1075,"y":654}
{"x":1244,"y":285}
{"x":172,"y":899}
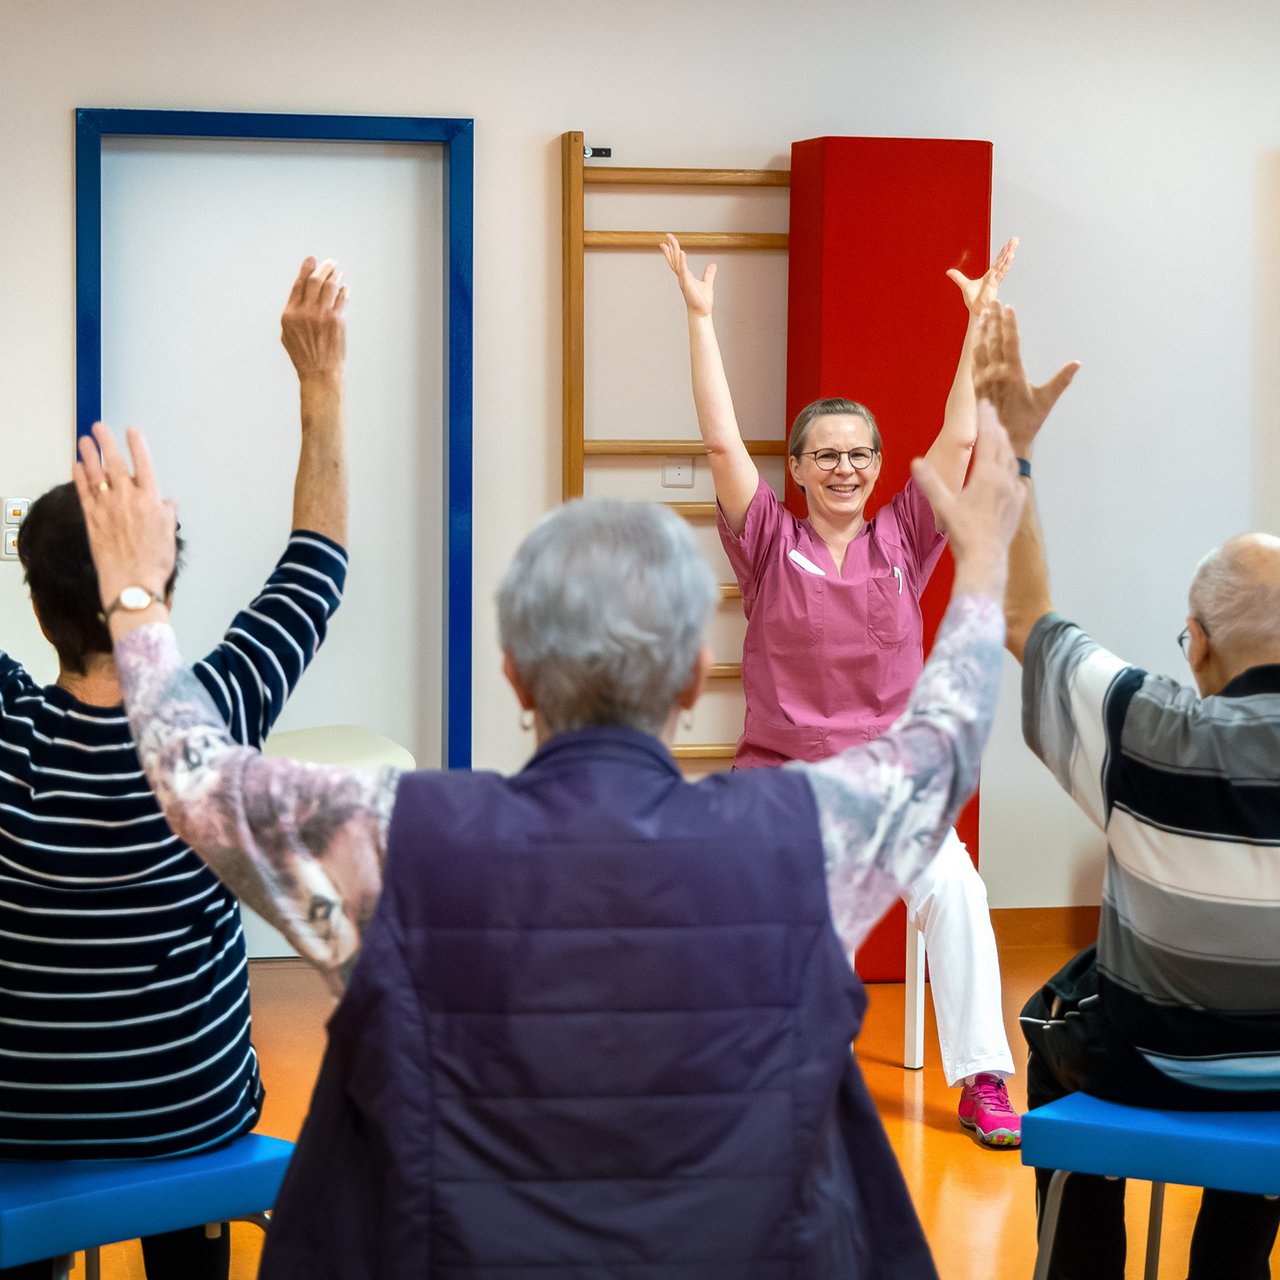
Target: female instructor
{"x":834,"y":643}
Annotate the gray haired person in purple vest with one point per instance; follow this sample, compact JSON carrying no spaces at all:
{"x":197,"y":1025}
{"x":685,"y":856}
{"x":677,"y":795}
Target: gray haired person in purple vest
{"x":595,"y":1019}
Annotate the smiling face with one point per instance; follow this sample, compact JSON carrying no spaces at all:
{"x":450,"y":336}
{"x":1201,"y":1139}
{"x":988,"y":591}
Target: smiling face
{"x":838,"y":497}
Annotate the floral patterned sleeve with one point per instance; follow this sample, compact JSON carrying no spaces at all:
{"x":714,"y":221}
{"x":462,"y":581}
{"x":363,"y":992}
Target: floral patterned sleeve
{"x":302,"y":844}
{"x":884,"y":807}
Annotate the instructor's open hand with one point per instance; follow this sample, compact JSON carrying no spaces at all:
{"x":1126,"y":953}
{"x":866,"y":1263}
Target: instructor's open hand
{"x":699,"y":294}
{"x":981,"y":293}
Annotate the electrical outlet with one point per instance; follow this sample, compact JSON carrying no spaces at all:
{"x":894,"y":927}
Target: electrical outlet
{"x":677,"y":473}
{"x":15,"y":512}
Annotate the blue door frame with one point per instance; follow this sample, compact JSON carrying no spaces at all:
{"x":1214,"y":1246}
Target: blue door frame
{"x":456,"y":136}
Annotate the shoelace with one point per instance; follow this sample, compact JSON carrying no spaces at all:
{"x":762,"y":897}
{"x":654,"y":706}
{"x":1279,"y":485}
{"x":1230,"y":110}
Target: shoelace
{"x":991,"y":1093}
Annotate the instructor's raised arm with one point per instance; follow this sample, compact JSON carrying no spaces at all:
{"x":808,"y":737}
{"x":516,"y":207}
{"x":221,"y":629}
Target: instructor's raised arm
{"x":732,"y":471}
{"x":950,"y":451}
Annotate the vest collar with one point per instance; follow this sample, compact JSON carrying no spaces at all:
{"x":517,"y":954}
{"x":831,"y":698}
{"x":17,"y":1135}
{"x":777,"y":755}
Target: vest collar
{"x":602,"y":742}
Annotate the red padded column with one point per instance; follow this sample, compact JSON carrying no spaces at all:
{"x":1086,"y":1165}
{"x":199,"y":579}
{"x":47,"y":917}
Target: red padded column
{"x":875,"y":224}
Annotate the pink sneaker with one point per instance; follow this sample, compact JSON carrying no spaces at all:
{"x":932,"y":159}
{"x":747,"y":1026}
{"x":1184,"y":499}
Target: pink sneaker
{"x":984,"y":1108}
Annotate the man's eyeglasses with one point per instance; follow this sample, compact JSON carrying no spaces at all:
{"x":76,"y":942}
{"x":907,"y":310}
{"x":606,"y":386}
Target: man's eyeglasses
{"x":1184,"y":639}
{"x":829,"y":459}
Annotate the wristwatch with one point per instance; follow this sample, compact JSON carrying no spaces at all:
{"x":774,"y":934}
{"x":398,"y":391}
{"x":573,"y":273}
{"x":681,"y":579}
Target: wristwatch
{"x":132,"y":600}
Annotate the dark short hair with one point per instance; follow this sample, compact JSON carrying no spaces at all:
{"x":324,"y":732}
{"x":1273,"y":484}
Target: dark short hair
{"x":53,"y":546}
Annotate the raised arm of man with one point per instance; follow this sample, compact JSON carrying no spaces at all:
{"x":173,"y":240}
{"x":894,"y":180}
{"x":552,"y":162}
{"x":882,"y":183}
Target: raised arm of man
{"x":998,"y":376}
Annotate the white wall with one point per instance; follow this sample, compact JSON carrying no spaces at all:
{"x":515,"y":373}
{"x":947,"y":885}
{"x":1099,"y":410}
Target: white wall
{"x":1137,"y":153}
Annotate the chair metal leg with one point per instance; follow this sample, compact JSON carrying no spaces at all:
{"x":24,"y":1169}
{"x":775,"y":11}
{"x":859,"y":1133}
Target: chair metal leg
{"x":62,"y":1267}
{"x":261,"y":1219}
{"x":1155,"y":1220}
{"x":1049,"y":1223}
{"x":913,"y":1020}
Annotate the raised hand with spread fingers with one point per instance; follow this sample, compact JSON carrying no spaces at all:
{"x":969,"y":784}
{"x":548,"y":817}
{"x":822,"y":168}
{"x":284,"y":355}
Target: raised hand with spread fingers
{"x":998,"y":376}
{"x":132,"y":530}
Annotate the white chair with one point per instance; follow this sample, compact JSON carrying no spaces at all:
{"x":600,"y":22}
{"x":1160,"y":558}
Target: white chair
{"x":913,"y":1012}
{"x":349,"y":744}
{"x":913,"y":1000}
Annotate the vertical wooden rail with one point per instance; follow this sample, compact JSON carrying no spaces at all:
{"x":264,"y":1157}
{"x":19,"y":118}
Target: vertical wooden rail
{"x":573,"y":376}
{"x":576,"y":176}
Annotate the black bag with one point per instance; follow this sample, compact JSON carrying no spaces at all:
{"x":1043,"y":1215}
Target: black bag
{"x":1062,"y":1024}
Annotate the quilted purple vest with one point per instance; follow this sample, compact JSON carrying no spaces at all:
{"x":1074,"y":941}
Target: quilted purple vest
{"x":600,"y":1029}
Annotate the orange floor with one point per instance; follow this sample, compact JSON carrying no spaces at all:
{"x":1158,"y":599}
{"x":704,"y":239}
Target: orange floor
{"x":976,"y":1204}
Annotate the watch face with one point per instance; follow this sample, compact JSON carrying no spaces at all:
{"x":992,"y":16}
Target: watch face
{"x":135,"y":598}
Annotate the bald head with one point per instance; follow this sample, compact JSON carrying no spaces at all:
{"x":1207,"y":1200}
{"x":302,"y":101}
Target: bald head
{"x":1235,"y":595}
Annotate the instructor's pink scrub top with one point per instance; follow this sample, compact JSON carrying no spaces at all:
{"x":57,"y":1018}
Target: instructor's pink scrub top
{"x":829,"y":657}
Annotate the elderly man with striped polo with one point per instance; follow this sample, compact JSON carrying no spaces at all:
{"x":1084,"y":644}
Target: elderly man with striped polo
{"x":1178,"y":1004}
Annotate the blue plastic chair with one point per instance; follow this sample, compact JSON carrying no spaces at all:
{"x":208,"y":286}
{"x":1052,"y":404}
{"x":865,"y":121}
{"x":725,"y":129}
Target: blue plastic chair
{"x":1225,"y":1150}
{"x":55,"y":1208}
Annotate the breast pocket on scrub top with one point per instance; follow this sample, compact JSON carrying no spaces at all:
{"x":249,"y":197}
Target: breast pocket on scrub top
{"x":890,"y":609}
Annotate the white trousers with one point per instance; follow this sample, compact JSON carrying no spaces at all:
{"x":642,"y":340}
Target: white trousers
{"x":948,"y":903}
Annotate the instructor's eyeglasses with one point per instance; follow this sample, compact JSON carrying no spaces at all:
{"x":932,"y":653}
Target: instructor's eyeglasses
{"x":829,"y":459}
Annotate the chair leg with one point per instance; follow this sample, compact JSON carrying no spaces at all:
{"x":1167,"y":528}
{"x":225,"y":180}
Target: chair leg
{"x":913,"y":1020}
{"x":1155,"y":1220}
{"x":262,"y":1219}
{"x":1049,"y":1223}
{"x":62,"y":1267}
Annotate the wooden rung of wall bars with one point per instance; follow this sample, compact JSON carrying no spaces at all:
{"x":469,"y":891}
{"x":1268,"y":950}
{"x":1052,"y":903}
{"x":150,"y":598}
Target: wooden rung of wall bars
{"x":673,"y":448}
{"x":575,"y":240}
{"x":599,"y":175}
{"x":730,"y":591}
{"x":725,"y":671}
{"x":693,"y":510}
{"x":709,"y":240}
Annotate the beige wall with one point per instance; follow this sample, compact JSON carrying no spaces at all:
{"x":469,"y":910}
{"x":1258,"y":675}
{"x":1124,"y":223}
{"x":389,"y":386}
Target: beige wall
{"x":1136,"y":153}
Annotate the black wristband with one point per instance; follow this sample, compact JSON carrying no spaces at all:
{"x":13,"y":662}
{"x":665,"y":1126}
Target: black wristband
{"x":1024,"y":468}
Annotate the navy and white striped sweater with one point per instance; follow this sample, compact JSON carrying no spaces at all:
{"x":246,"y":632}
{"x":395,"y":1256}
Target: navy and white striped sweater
{"x":124,"y":1000}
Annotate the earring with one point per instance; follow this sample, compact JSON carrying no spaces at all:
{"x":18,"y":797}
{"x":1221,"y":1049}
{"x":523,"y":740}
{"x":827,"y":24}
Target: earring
{"x":526,"y":720}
